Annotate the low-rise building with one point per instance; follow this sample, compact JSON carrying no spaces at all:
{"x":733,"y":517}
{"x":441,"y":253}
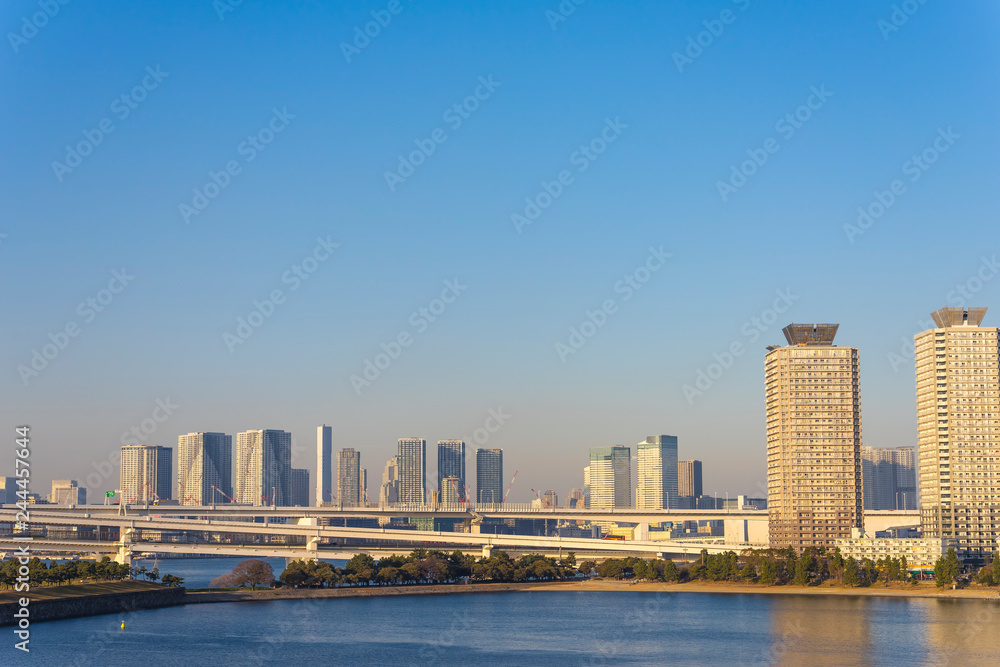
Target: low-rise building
{"x":921,"y":553}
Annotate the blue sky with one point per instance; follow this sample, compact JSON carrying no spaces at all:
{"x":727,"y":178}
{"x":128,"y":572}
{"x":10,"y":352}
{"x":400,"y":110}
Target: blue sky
{"x":554,"y":87}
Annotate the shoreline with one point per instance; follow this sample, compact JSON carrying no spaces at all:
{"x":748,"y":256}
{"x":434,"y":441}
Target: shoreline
{"x":126,"y":597}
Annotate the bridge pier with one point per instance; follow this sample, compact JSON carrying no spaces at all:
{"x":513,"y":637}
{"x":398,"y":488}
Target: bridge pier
{"x":487,"y":550}
{"x":124,"y":555}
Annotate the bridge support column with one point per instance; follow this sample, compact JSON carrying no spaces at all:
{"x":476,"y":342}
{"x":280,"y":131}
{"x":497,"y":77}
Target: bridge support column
{"x":487,"y":550}
{"x":124,"y":555}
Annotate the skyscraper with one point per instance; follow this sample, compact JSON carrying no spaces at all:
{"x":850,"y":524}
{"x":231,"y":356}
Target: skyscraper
{"x":611,"y":477}
{"x":263,"y":468}
{"x":451,"y":463}
{"x":204,"y":468}
{"x":689,"y":479}
{"x":324,"y":465}
{"x":574,"y":499}
{"x":889,"y":477}
{"x":657,"y":473}
{"x":349,"y":477}
{"x":813,"y":439}
{"x":389,"y":491}
{"x":489,"y":475}
{"x":586,"y":487}
{"x":412,"y":471}
{"x":146,"y":473}
{"x":958,"y":430}
{"x":363,"y":491}
{"x":300,"y":487}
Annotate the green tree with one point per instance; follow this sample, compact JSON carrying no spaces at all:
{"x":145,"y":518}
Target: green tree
{"x":801,"y":572}
{"x":996,"y":569}
{"x":171,"y":580}
{"x":253,"y":572}
{"x":768,"y":572}
{"x":852,"y":573}
{"x":587,"y":566}
{"x":670,"y":571}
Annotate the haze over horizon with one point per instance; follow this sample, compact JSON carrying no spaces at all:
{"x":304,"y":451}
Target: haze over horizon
{"x":606,"y":177}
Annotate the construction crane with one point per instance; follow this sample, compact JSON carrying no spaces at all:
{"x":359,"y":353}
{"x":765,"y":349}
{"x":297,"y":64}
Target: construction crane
{"x":223,"y":494}
{"x":509,"y":487}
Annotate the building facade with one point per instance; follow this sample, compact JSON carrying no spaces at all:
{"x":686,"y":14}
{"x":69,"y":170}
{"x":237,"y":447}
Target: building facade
{"x":204,"y":468}
{"x":67,"y":492}
{"x":814,"y":485}
{"x":921,"y":553}
{"x":389,"y":491}
{"x":146,"y":473}
{"x":689,"y":481}
{"x":611,"y":477}
{"x":489,"y":475}
{"x":657,"y":473}
{"x":412,"y":471}
{"x":349,"y":477}
{"x":451,"y":463}
{"x":300,"y":488}
{"x":889,"y":477}
{"x":958,"y":430}
{"x":324,"y":465}
{"x":263,"y":468}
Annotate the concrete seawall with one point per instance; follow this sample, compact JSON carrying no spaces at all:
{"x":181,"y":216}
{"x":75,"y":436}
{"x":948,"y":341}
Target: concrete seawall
{"x":93,"y":605}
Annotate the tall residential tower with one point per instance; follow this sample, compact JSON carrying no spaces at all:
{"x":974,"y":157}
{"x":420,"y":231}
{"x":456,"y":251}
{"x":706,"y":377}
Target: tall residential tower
{"x":958,"y":430}
{"x":324,"y":465}
{"x":611,"y":477}
{"x":412,"y":471}
{"x":657,"y":473}
{"x":813,"y":439}
{"x":263,"y":474}
{"x":489,"y":475}
{"x":204,"y":468}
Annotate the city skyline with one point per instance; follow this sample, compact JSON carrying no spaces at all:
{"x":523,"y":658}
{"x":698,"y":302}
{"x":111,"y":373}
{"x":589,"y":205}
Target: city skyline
{"x":323,"y":178}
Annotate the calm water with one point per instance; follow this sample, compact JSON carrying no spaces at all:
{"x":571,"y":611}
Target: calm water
{"x":529,"y":628}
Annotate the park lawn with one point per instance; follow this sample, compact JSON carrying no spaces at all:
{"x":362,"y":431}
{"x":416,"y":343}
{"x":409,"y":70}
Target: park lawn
{"x":77,"y":590}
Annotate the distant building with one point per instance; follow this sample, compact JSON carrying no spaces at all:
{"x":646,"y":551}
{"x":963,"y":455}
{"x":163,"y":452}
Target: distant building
{"x":363,"y":476}
{"x":204,"y":468}
{"x":412,"y":471}
{"x":450,"y":490}
{"x":146,"y":473}
{"x":813,"y":398}
{"x":451,"y":463}
{"x":689,"y":479}
{"x":263,"y":468}
{"x":324,"y":465}
{"x":67,"y":492}
{"x":610,"y":477}
{"x":349,"y":477}
{"x":958,"y":400}
{"x":586,"y":487}
{"x":389,"y":491}
{"x":574,"y":500}
{"x":657,"y":473}
{"x":550,"y":499}
{"x":889,"y":478}
{"x":489,"y":476}
{"x":300,"y":487}
{"x":8,"y":490}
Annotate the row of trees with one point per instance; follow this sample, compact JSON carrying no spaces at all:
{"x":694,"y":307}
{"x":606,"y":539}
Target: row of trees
{"x":423,"y":566}
{"x":42,"y":572}
{"x":761,"y":566}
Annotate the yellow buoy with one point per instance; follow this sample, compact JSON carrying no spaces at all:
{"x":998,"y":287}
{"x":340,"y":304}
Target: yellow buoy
{"x":123,"y":625}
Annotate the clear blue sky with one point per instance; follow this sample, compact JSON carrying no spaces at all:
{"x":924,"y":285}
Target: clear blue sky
{"x":494,"y":346}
